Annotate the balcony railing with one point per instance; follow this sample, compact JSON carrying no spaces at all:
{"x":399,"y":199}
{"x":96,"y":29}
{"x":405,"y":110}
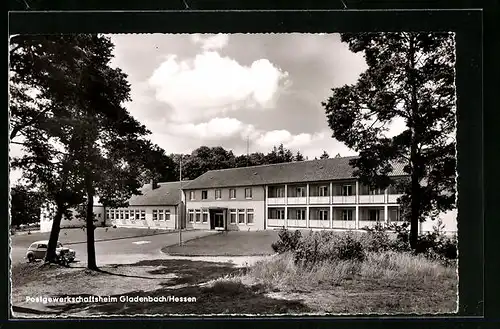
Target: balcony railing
{"x":319,"y":199}
{"x":276,"y":200}
{"x":393,"y":198}
{"x":377,"y":198}
{"x":297,"y":200}
{"x":343,"y":199}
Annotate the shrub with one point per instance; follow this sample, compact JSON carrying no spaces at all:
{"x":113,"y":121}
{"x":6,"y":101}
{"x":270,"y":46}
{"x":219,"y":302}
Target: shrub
{"x":376,"y":239}
{"x":327,"y":246}
{"x":287,"y":241}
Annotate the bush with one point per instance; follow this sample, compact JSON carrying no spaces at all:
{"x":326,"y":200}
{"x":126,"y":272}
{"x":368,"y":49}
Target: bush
{"x":376,"y":239}
{"x":327,"y":246}
{"x":287,"y":241}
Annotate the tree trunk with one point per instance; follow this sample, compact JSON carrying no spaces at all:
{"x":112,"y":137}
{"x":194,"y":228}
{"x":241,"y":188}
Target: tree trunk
{"x":414,"y":159}
{"x":50,"y":256}
{"x":91,"y":260}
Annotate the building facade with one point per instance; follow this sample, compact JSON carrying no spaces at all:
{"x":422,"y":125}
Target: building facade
{"x":48,"y":211}
{"x":317,"y":194}
{"x":160,"y":206}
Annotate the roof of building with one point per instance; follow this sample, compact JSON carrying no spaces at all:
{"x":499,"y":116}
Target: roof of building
{"x":290,"y":172}
{"x":167,"y":193}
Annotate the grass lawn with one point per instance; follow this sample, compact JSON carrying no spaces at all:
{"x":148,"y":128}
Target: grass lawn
{"x":77,"y":235}
{"x":385,"y":282}
{"x":232,"y":243}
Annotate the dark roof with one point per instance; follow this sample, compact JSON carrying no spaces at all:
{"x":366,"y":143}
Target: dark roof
{"x":290,"y":172}
{"x":166,"y":194}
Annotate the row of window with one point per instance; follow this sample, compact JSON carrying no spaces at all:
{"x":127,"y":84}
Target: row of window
{"x":323,"y":214}
{"x":322,"y":191}
{"x":242,"y":216}
{"x":132,"y":214}
{"x":197,"y":216}
{"x":161,"y":214}
{"x":300,"y":214}
{"x":218,"y":194}
{"x":236,"y":216}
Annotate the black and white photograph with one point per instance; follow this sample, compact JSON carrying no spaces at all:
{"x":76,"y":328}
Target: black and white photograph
{"x":271,"y":174}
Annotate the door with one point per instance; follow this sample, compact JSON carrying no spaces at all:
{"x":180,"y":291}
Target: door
{"x":219,"y":221}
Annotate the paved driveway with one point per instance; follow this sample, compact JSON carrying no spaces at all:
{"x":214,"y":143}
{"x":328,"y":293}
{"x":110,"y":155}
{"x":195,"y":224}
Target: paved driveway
{"x":128,"y":250}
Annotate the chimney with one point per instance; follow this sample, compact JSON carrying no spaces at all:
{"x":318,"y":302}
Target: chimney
{"x":154,"y":184}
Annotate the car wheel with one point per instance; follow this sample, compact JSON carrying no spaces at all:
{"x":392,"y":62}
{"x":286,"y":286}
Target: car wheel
{"x":31,"y":258}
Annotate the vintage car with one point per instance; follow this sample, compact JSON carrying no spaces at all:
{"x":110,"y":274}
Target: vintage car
{"x":38,"y":249}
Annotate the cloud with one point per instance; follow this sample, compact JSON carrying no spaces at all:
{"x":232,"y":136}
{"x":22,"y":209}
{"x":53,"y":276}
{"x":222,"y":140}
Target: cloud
{"x":209,"y":85}
{"x":232,"y":134}
{"x":208,"y":42}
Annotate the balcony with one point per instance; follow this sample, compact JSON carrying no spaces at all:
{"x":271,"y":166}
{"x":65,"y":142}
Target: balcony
{"x":343,"y":199}
{"x":393,"y":198}
{"x":376,"y":198}
{"x":319,"y":200}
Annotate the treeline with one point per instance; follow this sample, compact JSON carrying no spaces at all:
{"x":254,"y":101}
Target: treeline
{"x":206,"y":158}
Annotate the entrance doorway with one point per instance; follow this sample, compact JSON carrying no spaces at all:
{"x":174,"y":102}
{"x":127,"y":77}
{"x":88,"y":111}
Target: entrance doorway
{"x":217,"y":219}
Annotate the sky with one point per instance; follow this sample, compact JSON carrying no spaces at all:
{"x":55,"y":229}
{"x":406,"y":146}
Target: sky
{"x":235,"y":90}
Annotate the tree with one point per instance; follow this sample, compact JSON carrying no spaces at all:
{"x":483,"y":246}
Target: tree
{"x":24,"y":205}
{"x":299,"y":156}
{"x":410,"y":76}
{"x":89,"y":144}
{"x":324,"y":155}
{"x":279,"y":154}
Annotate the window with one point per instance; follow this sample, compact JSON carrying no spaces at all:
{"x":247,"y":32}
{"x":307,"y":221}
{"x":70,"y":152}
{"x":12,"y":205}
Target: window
{"x":248,"y":193}
{"x":132,"y":219}
{"x":232,"y":216}
{"x":107,"y":214}
{"x":112,"y":212}
{"x":155,"y":214}
{"x":375,"y":191}
{"x":347,"y":214}
{"x":301,"y":214}
{"x":191,"y":195}
{"x":160,"y":214}
{"x":281,"y":213}
{"x":191,"y":215}
{"x":167,"y":214}
{"x":143,"y":214}
{"x":121,"y":214}
{"x":205,"y":216}
{"x":126,"y":214}
{"x":249,"y":216}
{"x":241,"y":216}
{"x":301,"y":192}
{"x":198,"y":215}
{"x":280,"y":192}
{"x":99,"y":215}
{"x":218,"y":194}
{"x":204,"y":195}
{"x":347,"y":190}
{"x":323,"y":191}
{"x":323,"y":215}
{"x":232,"y":193}
{"x":374,"y":215}
{"x":137,"y":214}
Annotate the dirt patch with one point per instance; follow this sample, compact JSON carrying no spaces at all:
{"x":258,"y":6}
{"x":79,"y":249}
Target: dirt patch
{"x":154,"y":278}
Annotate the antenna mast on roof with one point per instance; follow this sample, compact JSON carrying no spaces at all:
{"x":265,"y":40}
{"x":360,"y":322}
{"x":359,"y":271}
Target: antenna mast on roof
{"x":248,"y":155}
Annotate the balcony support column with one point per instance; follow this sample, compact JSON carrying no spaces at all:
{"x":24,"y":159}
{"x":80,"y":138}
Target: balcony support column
{"x":357,"y":216}
{"x":386,"y":217}
{"x":331,"y":216}
{"x":357,"y":192}
{"x":286,"y":207}
{"x":330,"y":194}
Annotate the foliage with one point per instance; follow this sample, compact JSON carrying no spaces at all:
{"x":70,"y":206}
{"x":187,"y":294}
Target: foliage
{"x":24,"y":205}
{"x":410,"y":77}
{"x":325,"y":155}
{"x":287,"y":241}
{"x":299,"y":157}
{"x":376,"y":238}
